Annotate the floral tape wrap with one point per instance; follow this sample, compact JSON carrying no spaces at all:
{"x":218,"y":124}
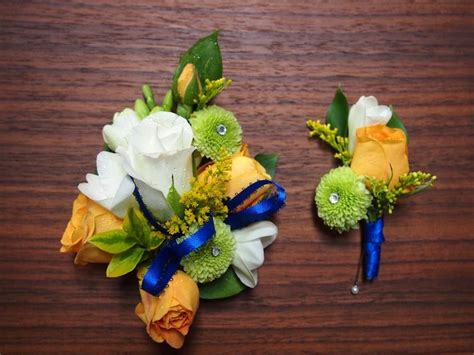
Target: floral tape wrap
{"x":168,"y":259}
{"x":371,"y":245}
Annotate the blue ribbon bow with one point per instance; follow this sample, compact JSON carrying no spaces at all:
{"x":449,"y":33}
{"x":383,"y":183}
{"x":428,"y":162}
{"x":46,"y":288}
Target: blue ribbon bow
{"x":372,"y":239}
{"x":168,"y":259}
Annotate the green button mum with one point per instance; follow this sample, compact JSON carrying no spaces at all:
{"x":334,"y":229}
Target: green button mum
{"x":212,"y":260}
{"x":215,"y":130}
{"x":342,"y":199}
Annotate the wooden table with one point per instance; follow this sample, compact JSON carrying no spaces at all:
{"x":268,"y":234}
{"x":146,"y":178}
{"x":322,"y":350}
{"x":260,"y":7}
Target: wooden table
{"x":66,"y":67}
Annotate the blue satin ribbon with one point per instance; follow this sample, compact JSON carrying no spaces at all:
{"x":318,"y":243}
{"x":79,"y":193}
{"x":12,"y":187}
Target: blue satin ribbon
{"x":258,"y":212}
{"x":167,"y":260}
{"x":372,"y":239}
{"x":146,"y":212}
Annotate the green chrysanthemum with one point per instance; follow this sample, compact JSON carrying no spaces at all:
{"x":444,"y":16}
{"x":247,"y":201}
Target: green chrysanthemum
{"x":212,"y":259}
{"x":216,"y":129}
{"x":342,"y":199}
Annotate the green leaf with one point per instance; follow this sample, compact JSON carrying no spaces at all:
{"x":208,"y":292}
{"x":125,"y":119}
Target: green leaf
{"x":269,"y":162}
{"x":136,"y":226}
{"x":396,"y":122}
{"x":174,"y":200}
{"x":227,"y":285}
{"x":167,"y":102}
{"x":148,"y":96}
{"x":125,"y":262}
{"x":155,"y":239}
{"x":184,"y":110}
{"x":338,"y":113}
{"x":141,"y":109}
{"x":206,"y":57}
{"x":113,"y":242}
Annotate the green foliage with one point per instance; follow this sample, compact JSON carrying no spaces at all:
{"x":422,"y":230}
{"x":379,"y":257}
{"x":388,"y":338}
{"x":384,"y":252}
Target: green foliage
{"x":141,"y":109}
{"x":131,"y":245}
{"x":113,"y":242}
{"x":329,"y":135}
{"x":173,"y":198}
{"x":385,"y":198}
{"x":206,"y":56}
{"x":125,"y":262}
{"x":396,"y":122}
{"x":269,"y":162}
{"x":148,"y":96}
{"x":167,"y":102}
{"x":184,"y":110}
{"x":227,"y":285}
{"x":338,"y":113}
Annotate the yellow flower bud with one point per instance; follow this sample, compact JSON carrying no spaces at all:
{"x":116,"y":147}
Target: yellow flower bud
{"x":189,"y":85}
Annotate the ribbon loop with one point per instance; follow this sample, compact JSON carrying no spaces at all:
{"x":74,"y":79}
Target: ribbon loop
{"x":372,"y":239}
{"x":258,"y":212}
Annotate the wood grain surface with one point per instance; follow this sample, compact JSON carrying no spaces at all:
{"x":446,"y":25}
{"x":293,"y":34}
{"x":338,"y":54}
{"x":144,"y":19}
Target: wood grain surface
{"x":67,"y":66}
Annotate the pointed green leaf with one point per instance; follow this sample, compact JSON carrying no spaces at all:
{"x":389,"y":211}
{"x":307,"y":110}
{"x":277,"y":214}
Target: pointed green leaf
{"x":113,"y":242}
{"x":338,"y":113}
{"x":148,"y":96}
{"x":167,"y":102}
{"x":174,"y":199}
{"x":136,"y":226}
{"x":269,"y":162}
{"x":396,"y":122}
{"x":141,"y":109}
{"x":206,"y":57}
{"x":125,"y":262}
{"x":227,"y":285}
{"x":155,"y":239}
{"x":184,"y":110}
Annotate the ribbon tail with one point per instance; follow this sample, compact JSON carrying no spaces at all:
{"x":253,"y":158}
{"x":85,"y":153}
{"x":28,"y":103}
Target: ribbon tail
{"x":372,"y":239}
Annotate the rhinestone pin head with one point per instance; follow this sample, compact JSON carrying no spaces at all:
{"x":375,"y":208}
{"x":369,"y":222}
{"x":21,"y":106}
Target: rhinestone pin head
{"x":215,"y":251}
{"x":334,"y":198}
{"x":221,"y":129}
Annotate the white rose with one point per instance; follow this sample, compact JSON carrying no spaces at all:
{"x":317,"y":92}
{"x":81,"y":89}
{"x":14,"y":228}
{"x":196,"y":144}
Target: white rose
{"x":112,"y":188}
{"x":159,"y":149}
{"x":249,"y":256}
{"x":115,"y":134}
{"x":366,"y":112}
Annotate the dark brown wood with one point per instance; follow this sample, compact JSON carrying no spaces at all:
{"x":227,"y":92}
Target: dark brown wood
{"x":66,"y":67}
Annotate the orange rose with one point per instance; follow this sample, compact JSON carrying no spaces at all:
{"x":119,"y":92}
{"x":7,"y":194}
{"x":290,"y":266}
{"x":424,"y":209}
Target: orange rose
{"x":380,"y":152}
{"x":88,"y":218}
{"x":169,"y":316}
{"x":245,"y":171}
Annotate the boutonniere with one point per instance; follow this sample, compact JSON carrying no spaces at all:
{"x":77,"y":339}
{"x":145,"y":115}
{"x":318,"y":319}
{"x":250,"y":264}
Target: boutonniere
{"x":371,"y":142}
{"x":178,"y":198}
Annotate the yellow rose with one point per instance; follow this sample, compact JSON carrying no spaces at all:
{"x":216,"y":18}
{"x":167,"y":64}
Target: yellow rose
{"x":169,"y":316}
{"x":88,"y":218}
{"x":245,"y":171}
{"x":380,"y":152}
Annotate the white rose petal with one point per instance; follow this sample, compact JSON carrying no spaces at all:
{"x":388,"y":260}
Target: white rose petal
{"x":112,"y":188}
{"x":158,"y":150}
{"x":366,"y":112}
{"x":249,"y":255}
{"x":116,"y":133}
